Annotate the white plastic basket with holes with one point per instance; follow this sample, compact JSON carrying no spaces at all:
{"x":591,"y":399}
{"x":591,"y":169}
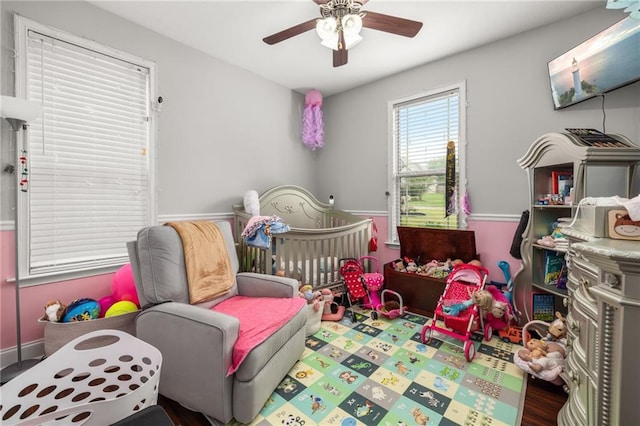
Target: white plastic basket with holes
{"x":95,"y":379}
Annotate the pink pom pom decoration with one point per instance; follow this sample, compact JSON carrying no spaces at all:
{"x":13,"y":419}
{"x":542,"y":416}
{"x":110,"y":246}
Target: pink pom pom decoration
{"x":313,"y":97}
{"x":123,"y":286}
{"x":312,"y":121}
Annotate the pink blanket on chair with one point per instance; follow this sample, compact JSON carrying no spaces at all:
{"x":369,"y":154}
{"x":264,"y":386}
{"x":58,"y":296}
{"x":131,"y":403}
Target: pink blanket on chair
{"x":259,"y":317}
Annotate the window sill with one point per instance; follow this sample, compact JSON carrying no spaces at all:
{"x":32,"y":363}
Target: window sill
{"x":43,"y":279}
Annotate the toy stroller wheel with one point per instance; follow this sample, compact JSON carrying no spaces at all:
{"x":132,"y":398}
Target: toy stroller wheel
{"x":374,"y":315}
{"x":426,"y":334}
{"x":469,"y":350}
{"x":488,"y":332}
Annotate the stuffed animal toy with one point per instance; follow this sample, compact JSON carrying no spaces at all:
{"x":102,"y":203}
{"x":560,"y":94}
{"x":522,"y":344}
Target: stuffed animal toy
{"x":54,"y":310}
{"x":252,"y":203}
{"x":327,"y":299}
{"x":557,"y":329}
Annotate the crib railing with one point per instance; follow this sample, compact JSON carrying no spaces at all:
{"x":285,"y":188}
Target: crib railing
{"x":311,"y":256}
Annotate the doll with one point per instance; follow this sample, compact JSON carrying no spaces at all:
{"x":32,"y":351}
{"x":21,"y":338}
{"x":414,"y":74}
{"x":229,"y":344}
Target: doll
{"x":539,"y":357}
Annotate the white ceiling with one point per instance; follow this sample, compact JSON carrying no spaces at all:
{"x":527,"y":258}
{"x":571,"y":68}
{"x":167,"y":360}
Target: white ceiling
{"x":233,"y":31}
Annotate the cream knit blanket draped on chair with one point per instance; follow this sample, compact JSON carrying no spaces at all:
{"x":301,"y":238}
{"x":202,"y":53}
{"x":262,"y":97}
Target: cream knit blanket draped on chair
{"x":209,"y":272}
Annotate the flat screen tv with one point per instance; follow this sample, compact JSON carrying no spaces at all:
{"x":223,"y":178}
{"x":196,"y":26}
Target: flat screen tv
{"x":606,"y":61}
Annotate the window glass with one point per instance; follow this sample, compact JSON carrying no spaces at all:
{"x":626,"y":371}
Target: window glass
{"x":427,"y":160}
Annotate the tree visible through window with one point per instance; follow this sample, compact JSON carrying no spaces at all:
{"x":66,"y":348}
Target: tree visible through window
{"x":422,"y":128}
{"x":89,"y":170}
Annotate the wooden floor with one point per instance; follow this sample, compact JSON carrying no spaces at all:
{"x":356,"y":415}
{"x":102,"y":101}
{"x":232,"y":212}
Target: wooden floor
{"x":542,"y":403}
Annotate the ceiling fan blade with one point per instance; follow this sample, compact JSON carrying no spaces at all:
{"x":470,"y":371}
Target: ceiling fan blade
{"x":340,"y":57}
{"x":290,"y":32}
{"x":391,"y":24}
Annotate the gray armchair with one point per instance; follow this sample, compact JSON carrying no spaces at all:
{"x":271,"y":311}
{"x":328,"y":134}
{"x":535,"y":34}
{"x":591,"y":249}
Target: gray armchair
{"x":197,"y":343}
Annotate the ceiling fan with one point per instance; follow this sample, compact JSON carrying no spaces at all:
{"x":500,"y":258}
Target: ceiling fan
{"x":340,"y":24}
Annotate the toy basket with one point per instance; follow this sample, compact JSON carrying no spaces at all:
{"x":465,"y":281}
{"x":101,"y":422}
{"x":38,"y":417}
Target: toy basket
{"x":58,"y":334}
{"x":95,"y":379}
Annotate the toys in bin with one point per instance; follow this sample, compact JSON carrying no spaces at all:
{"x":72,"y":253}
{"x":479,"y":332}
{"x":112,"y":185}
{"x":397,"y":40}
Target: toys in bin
{"x":122,"y":300}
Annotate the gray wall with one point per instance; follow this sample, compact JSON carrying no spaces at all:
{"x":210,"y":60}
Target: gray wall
{"x":221,"y":131}
{"x":508,"y":106}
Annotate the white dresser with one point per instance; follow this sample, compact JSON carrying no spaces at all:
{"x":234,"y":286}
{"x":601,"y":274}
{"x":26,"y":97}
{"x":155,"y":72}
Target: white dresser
{"x":603,"y":337}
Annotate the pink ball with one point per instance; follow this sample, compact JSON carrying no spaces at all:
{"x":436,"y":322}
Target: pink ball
{"x":105,"y":303}
{"x":123,"y":286}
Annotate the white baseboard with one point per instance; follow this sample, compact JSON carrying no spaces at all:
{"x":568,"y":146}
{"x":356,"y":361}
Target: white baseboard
{"x":30,"y":350}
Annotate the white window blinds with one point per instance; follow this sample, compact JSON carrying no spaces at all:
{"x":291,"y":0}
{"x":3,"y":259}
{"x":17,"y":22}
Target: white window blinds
{"x":422,"y":127}
{"x":88,"y":190}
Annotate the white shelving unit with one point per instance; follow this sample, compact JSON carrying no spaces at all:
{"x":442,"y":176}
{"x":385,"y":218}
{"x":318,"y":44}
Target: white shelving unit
{"x":597,"y":172}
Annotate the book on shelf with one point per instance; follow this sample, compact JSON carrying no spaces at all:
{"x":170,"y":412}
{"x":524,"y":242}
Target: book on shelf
{"x":553,"y":266}
{"x":561,"y":182}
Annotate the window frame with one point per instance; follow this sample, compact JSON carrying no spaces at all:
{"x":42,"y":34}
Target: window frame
{"x":392,"y":208}
{"x":22,"y":26}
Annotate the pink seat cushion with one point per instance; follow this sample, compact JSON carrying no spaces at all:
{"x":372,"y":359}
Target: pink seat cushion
{"x":259,"y":317}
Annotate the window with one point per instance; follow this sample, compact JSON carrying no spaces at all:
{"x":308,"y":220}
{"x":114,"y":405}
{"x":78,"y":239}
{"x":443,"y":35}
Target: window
{"x":89,"y":173}
{"x":427,"y":160}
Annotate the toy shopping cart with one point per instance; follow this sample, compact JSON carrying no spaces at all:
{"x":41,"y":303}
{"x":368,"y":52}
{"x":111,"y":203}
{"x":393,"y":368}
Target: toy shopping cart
{"x":455,"y":308}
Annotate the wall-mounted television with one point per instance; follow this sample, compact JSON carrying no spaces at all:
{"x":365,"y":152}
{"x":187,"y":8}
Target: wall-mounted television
{"x":606,"y":61}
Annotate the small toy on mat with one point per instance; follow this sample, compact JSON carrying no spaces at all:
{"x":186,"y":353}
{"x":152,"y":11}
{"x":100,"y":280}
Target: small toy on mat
{"x":391,"y":308}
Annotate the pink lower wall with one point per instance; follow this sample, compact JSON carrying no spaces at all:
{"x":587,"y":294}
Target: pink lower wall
{"x":493,"y":241}
{"x":33,"y":298}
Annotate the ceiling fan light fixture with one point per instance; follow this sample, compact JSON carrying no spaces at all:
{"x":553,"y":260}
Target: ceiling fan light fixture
{"x":351,"y":24}
{"x":331,"y":42}
{"x":351,"y":27}
{"x":326,"y":28}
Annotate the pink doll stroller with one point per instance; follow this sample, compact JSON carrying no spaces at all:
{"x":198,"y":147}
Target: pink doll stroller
{"x":373,"y":281}
{"x":352,"y":275}
{"x":456,"y":309}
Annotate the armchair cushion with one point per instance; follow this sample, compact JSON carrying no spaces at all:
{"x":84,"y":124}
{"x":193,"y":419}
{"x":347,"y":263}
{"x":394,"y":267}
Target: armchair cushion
{"x":162,"y":268}
{"x":251,"y":312}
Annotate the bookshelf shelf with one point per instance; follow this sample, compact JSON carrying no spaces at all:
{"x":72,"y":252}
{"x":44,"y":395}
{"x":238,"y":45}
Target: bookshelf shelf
{"x":550,"y":288}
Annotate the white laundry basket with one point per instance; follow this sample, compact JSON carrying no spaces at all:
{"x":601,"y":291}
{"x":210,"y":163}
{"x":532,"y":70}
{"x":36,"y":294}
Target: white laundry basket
{"x":96,"y":379}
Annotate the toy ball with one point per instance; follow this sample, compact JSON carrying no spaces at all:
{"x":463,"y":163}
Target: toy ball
{"x":120,"y":308}
{"x":82,"y":310}
{"x":123,"y":286}
{"x":105,"y":303}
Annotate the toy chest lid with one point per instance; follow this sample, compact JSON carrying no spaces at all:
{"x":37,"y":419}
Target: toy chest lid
{"x":426,"y":244}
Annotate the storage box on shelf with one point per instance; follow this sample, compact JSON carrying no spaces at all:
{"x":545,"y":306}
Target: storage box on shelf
{"x":420,"y":293}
